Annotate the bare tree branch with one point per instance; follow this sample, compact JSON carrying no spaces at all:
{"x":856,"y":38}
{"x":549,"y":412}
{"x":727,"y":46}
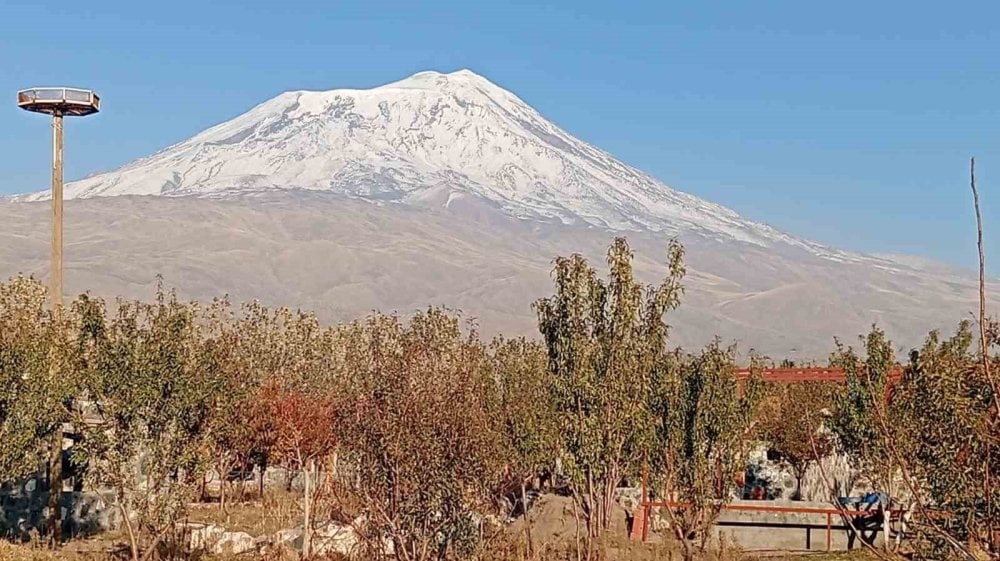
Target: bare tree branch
{"x":983,"y":344}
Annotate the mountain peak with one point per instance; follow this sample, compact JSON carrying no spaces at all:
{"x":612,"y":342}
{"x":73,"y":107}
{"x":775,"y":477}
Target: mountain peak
{"x":464,"y":86}
{"x":434,"y":79}
{"x":424,"y":140}
{"x":460,"y":83}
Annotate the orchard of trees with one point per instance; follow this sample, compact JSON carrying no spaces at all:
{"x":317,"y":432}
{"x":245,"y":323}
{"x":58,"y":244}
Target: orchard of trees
{"x":418,"y":430}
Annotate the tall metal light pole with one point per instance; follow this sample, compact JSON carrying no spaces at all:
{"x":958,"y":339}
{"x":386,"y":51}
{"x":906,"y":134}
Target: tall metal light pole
{"x":58,"y":102}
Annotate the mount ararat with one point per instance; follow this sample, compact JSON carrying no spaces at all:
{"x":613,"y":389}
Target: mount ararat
{"x":447,"y":189}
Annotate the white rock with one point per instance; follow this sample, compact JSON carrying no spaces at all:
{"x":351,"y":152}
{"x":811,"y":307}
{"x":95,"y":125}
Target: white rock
{"x":335,"y":538}
{"x":235,"y":543}
{"x":287,"y":537}
{"x":204,"y":537}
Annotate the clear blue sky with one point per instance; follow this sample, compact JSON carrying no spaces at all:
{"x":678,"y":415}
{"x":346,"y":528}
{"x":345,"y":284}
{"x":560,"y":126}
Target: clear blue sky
{"x":846,"y":122}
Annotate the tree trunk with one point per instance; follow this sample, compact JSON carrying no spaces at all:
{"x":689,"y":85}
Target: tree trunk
{"x":243,"y":484}
{"x":243,"y":481}
{"x":688,"y":548}
{"x":307,"y":527}
{"x":222,"y":488}
{"x":886,"y":542}
{"x":55,"y":488}
{"x":610,"y":486}
{"x":591,"y":510}
{"x":527,"y":519}
{"x":263,"y":470}
{"x":132,"y":542}
{"x":576,"y":516}
{"x":151,"y":550}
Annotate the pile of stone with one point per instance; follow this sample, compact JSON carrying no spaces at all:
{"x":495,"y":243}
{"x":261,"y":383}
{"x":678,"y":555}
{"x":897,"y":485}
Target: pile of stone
{"x":328,"y":538}
{"x":778,"y":482}
{"x":24,"y":510}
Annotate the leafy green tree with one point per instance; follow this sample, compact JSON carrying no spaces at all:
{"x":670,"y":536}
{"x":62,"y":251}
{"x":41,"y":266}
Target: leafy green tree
{"x":866,"y":428}
{"x":36,"y":380}
{"x":419,"y":432}
{"x":148,"y":390}
{"x":604,"y":340}
{"x":861,"y":407}
{"x":949,"y":451}
{"x":793,"y":424}
{"x":525,"y":410}
{"x":705,"y":431}
{"x":241,"y":351}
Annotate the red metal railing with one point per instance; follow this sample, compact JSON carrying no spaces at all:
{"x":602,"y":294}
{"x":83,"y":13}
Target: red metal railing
{"x":786,"y":376}
{"x":811,"y":374}
{"x":647,"y":506}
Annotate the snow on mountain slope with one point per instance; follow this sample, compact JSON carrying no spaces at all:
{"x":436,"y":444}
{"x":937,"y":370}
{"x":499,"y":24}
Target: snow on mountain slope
{"x":429,"y":139}
{"x":447,"y":189}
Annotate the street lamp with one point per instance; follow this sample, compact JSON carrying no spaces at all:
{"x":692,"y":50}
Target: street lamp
{"x":58,"y":102}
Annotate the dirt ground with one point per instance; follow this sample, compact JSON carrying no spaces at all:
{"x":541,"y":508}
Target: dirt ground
{"x":553,"y":533}
{"x":611,"y":552}
{"x":552,"y":522}
{"x":276,"y":511}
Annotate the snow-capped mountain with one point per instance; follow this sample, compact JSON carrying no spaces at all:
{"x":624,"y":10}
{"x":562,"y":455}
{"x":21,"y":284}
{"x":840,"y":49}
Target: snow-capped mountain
{"x":445,"y":189}
{"x":426,"y":139}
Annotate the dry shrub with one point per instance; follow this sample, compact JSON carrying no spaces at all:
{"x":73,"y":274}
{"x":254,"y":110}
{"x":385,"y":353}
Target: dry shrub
{"x":419,"y":433}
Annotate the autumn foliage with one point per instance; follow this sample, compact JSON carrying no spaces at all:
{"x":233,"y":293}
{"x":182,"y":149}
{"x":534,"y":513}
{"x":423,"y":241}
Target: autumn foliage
{"x":424,"y":438}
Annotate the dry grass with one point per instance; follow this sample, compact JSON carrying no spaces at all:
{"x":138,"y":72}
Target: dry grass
{"x":278,"y":510}
{"x":553,"y":531}
{"x":610,"y":550}
{"x":110,"y":546}
{"x":552,"y":521}
{"x":856,"y":555}
{"x":11,"y":552}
